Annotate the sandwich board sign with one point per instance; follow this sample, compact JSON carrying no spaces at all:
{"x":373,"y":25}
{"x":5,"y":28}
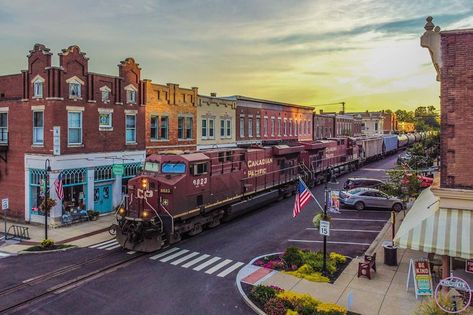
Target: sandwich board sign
{"x":419,"y":274}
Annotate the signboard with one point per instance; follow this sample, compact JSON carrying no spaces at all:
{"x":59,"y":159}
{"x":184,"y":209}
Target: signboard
{"x":419,"y":272}
{"x":459,"y":293}
{"x":56,"y":140}
{"x":324,"y":228}
{"x":5,"y":204}
{"x":469,"y":265}
{"x":118,"y":169}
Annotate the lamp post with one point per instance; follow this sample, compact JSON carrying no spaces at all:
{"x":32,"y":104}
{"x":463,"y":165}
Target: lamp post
{"x":47,"y":168}
{"x":329,"y":179}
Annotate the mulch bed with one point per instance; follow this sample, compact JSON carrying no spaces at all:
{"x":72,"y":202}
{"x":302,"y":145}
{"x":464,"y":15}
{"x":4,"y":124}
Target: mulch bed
{"x":39,"y":248}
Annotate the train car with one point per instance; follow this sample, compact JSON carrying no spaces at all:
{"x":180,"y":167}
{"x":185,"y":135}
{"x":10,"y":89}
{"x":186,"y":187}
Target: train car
{"x":411,"y":138}
{"x":217,"y":185}
{"x":390,"y":144}
{"x":371,"y":148}
{"x":402,"y":141}
{"x":418,"y":136}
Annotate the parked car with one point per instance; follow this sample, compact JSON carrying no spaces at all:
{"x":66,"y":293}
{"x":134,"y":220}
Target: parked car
{"x":361,"y":198}
{"x":362,"y":182}
{"x":425,"y":181}
{"x":404,"y":158}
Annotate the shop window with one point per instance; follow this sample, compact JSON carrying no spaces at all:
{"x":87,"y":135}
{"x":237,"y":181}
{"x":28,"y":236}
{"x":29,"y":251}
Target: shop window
{"x":103,"y":173}
{"x":132,"y":169}
{"x":37,"y":189}
{"x":38,"y":128}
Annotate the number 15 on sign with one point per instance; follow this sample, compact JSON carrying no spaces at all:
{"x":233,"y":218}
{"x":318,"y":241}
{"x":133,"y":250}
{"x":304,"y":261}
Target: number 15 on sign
{"x":325,"y":228}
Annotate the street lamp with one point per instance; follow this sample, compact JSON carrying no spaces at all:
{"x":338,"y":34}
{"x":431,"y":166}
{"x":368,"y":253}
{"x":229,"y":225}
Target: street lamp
{"x":329,"y":179}
{"x":47,"y":168}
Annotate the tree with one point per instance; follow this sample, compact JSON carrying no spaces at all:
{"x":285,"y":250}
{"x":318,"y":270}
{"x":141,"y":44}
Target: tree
{"x":404,"y":115}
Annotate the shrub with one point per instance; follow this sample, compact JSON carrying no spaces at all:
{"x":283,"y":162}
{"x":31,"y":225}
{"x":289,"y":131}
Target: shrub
{"x":47,"y":243}
{"x":307,"y":272}
{"x":330,"y":309}
{"x":274,"y":306}
{"x":337,"y":258}
{"x":291,"y":312}
{"x":300,"y":303}
{"x":293,"y":256}
{"x":262,"y":294}
{"x":429,"y":306}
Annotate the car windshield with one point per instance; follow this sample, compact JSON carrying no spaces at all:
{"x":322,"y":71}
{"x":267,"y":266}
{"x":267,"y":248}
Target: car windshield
{"x":354,"y":191}
{"x":152,"y":166}
{"x":173,"y":168}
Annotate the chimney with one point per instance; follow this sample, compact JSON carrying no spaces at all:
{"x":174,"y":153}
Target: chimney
{"x":213,"y":94}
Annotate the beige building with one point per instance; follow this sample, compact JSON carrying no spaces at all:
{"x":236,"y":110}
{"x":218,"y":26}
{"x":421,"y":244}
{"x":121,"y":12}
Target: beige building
{"x":372,"y":122}
{"x":215,"y":122}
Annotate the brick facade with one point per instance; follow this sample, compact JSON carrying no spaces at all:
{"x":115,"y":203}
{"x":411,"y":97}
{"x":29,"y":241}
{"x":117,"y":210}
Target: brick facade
{"x":390,"y":123}
{"x":323,"y":126}
{"x":173,"y":102}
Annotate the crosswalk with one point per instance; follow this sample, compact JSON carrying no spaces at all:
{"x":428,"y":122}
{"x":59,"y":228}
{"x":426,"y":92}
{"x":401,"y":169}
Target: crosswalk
{"x":4,"y":255}
{"x":199,"y":262}
{"x":184,"y":258}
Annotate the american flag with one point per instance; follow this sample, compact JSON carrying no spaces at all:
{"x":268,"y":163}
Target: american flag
{"x":302,"y":198}
{"x":58,"y":186}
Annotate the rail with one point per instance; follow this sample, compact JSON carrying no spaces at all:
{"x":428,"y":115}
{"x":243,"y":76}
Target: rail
{"x":20,"y":232}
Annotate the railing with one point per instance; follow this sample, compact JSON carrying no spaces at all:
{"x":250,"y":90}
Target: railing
{"x":17,"y":231}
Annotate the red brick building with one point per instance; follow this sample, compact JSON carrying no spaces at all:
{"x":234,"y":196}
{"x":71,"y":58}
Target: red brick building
{"x":269,"y":122}
{"x":323,"y":126}
{"x":80,"y":122}
{"x":390,"y":122}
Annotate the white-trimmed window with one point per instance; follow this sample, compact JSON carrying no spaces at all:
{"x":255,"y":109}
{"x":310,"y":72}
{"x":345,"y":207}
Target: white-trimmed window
{"x":38,"y":127}
{"x":189,"y":125}
{"x":204,"y":128}
{"x":258,"y":127}
{"x":208,"y":128}
{"x":229,"y":128}
{"x":105,"y":120}
{"x":211,"y":128}
{"x":38,"y":84}
{"x":265,"y":127}
{"x":279,"y":126}
{"x":295,"y":127}
{"x":154,"y":127}
{"x":242,"y":127}
{"x":3,"y":127}
{"x":131,"y":94}
{"x":222,"y":128}
{"x":159,"y":127}
{"x":130,"y":122}
{"x":285,"y":127}
{"x":290,"y":127}
{"x":184,"y":127}
{"x":250,"y":127}
{"x":273,"y":123}
{"x":105,"y":91}
{"x":74,"y":123}
{"x":75,"y":87}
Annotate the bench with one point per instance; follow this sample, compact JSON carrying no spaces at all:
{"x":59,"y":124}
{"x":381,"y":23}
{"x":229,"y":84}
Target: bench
{"x":364,"y":267}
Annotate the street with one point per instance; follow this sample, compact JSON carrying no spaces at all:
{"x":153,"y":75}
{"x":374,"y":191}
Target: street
{"x":197,"y":275}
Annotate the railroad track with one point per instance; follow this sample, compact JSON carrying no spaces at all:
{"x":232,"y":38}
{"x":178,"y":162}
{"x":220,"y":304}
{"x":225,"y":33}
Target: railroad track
{"x":66,"y":285}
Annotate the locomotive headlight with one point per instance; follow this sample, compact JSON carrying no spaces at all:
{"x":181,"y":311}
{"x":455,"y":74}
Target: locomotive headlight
{"x":144,"y":183}
{"x":145,"y":214}
{"x":121,"y":211}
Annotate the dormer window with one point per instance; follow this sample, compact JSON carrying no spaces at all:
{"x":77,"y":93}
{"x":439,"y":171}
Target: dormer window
{"x":38,"y":83}
{"x":105,"y":94}
{"x":75,"y":87}
{"x":131,"y":92}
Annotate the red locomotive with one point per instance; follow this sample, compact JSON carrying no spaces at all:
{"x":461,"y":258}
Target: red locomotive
{"x":184,"y":193}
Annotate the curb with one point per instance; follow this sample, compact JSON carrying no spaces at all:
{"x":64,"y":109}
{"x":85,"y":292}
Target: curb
{"x":24,"y":252}
{"x":246,"y":299}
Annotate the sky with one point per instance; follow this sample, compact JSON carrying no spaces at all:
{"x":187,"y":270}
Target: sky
{"x":364,"y":52}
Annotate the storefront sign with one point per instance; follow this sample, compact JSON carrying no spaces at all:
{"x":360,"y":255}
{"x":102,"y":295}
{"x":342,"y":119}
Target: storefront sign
{"x":469,"y":265}
{"x":324,"y":228}
{"x":458,"y":292}
{"x":56,"y":140}
{"x":118,"y":169}
{"x":419,"y":272}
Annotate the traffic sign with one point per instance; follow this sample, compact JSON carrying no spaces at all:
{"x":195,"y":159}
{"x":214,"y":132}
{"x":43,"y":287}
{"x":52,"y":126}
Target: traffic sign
{"x":5,"y":204}
{"x":324,"y":228}
{"x":118,"y":169}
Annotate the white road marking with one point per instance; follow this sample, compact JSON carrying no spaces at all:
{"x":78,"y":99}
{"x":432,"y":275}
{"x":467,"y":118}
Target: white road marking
{"x":103,"y":243}
{"x":367,"y":220}
{"x":108,"y":245}
{"x":131,"y":252}
{"x":177,"y":262}
{"x":374,"y":169}
{"x":347,"y":230}
{"x":230,"y":269}
{"x":217,"y":267}
{"x":113,"y":247}
{"x":195,"y":261}
{"x":4,"y":254}
{"x":329,"y":242}
{"x":205,"y":264}
{"x":168,"y":258}
{"x":164,"y":253}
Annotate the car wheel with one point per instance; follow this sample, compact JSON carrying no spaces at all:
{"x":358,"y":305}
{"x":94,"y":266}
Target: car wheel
{"x":397,"y":207}
{"x":359,"y":205}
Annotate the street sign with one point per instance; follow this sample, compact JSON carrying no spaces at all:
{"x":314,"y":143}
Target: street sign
{"x":118,"y":169}
{"x":5,"y":204}
{"x":324,"y":228}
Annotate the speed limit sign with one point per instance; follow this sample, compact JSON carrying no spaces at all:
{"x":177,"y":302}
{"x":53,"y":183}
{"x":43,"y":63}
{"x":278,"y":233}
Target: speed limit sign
{"x":325,"y":228}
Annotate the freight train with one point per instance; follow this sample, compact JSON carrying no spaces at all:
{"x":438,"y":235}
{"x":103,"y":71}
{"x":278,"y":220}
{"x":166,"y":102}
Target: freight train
{"x":179,"y":194}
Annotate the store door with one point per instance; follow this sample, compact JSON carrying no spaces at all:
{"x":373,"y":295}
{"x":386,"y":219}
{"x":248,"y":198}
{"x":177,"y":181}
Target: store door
{"x":103,"y":198}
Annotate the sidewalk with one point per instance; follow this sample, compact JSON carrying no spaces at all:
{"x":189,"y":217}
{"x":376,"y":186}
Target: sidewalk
{"x":80,"y":234}
{"x":384,"y":294}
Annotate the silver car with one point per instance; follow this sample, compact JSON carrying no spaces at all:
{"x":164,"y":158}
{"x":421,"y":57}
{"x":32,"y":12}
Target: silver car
{"x":361,"y":198}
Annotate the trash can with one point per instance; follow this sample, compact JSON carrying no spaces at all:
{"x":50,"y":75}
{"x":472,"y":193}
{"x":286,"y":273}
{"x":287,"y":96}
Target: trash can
{"x":390,"y":254}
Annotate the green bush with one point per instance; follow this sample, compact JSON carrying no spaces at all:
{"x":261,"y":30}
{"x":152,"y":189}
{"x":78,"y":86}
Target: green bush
{"x":337,"y":258}
{"x":47,"y":243}
{"x":291,"y":312}
{"x":302,"y":304}
{"x":274,"y":306}
{"x":263,"y":294}
{"x":330,"y":309}
{"x":293,"y":257}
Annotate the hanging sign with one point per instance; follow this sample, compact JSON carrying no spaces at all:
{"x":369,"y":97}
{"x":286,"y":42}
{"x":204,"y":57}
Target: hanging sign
{"x":469,"y":265}
{"x":419,"y":274}
{"x":118,"y":169}
{"x":324,"y":228}
{"x":56,"y":140}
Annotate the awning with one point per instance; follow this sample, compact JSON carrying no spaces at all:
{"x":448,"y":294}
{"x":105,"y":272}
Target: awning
{"x":432,"y":229}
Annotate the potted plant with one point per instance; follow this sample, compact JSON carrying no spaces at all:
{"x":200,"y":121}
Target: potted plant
{"x":319,"y":217}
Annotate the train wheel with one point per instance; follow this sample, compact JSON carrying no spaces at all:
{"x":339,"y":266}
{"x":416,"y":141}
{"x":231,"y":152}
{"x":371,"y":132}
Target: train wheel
{"x":214,"y":223}
{"x":196,"y":230}
{"x":174,"y":238}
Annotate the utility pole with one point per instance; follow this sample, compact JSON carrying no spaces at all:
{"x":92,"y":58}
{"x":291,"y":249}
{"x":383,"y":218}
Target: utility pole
{"x":331,"y":104}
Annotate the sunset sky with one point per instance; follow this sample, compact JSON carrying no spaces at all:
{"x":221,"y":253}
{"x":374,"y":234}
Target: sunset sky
{"x":364,"y":52}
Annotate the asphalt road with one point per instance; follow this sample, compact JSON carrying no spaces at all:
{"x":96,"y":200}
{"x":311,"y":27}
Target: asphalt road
{"x":166,"y":285}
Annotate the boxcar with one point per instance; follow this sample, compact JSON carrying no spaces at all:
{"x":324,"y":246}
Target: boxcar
{"x":390,"y":144}
{"x":371,"y":148}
